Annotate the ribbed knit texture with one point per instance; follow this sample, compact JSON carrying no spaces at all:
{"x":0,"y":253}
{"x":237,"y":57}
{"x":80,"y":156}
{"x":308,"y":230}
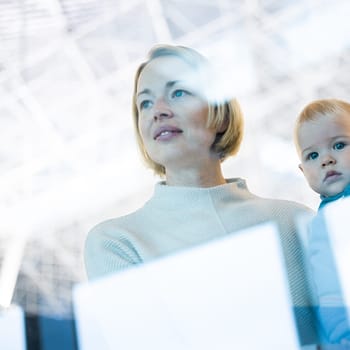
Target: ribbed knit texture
{"x":179,"y":217}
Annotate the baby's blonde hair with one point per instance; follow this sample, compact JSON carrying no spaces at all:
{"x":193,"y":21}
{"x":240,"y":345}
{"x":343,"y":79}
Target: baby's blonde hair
{"x":319,"y":108}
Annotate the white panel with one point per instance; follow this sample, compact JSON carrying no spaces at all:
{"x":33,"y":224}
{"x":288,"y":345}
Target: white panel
{"x":228,"y":294}
{"x":12,"y":331}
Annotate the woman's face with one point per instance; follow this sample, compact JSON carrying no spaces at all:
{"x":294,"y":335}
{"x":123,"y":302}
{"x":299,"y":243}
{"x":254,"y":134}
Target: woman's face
{"x":173,"y":113}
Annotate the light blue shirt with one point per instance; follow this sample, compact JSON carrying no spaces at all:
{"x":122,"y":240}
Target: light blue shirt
{"x":331,"y":310}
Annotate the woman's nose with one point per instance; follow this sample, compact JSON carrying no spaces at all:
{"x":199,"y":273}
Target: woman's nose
{"x":162,"y":110}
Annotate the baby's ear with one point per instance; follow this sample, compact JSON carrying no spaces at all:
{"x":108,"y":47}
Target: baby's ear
{"x":301,"y":168}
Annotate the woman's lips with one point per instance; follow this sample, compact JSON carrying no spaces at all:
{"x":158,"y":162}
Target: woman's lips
{"x":166,"y":132}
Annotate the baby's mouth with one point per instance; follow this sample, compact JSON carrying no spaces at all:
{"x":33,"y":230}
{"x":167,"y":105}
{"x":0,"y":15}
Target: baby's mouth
{"x":331,"y":175}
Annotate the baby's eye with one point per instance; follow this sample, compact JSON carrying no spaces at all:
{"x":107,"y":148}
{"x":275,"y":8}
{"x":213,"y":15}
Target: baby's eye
{"x":178,"y":93}
{"x":339,"y":145}
{"x":312,"y":155}
{"x":145,"y":104}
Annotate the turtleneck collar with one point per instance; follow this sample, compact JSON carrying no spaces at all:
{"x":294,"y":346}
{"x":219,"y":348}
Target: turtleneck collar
{"x":234,"y":188}
{"x":228,"y":186}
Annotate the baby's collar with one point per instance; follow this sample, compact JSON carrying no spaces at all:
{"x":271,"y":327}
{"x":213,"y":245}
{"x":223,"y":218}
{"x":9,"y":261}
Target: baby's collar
{"x":326,"y":200}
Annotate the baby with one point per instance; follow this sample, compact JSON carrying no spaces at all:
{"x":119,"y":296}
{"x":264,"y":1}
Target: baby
{"x":322,"y":138}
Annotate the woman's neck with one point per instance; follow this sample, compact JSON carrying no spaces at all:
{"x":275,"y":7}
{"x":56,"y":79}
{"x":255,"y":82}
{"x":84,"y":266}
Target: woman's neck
{"x":190,"y":177}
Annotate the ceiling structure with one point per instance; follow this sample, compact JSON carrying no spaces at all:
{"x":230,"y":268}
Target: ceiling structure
{"x":68,"y":157}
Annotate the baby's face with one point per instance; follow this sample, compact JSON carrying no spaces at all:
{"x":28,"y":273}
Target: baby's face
{"x":324,"y":150}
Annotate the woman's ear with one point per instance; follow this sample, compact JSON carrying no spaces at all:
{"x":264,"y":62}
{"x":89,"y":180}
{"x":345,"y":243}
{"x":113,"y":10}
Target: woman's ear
{"x":301,"y":168}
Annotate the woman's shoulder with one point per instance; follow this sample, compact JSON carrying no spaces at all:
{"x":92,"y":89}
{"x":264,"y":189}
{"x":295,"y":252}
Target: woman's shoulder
{"x":109,"y":247}
{"x":281,"y":204}
{"x":289,"y":205}
{"x":116,"y":228}
{"x":284,"y":208}
{"x":103,"y":228}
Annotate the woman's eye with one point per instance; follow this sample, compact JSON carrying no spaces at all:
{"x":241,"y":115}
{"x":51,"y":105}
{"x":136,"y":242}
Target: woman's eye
{"x":312,"y":155}
{"x":145,"y":104}
{"x":339,"y":145}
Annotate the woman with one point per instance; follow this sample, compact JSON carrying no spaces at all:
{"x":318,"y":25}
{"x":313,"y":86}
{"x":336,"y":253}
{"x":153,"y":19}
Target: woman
{"x":185,"y":131}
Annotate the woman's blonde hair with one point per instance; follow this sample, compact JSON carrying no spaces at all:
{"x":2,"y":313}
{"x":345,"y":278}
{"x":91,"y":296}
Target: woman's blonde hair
{"x":221,"y":112}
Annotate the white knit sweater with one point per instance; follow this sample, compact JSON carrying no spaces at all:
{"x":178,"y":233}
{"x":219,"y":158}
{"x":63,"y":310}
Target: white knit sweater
{"x":179,"y":217}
